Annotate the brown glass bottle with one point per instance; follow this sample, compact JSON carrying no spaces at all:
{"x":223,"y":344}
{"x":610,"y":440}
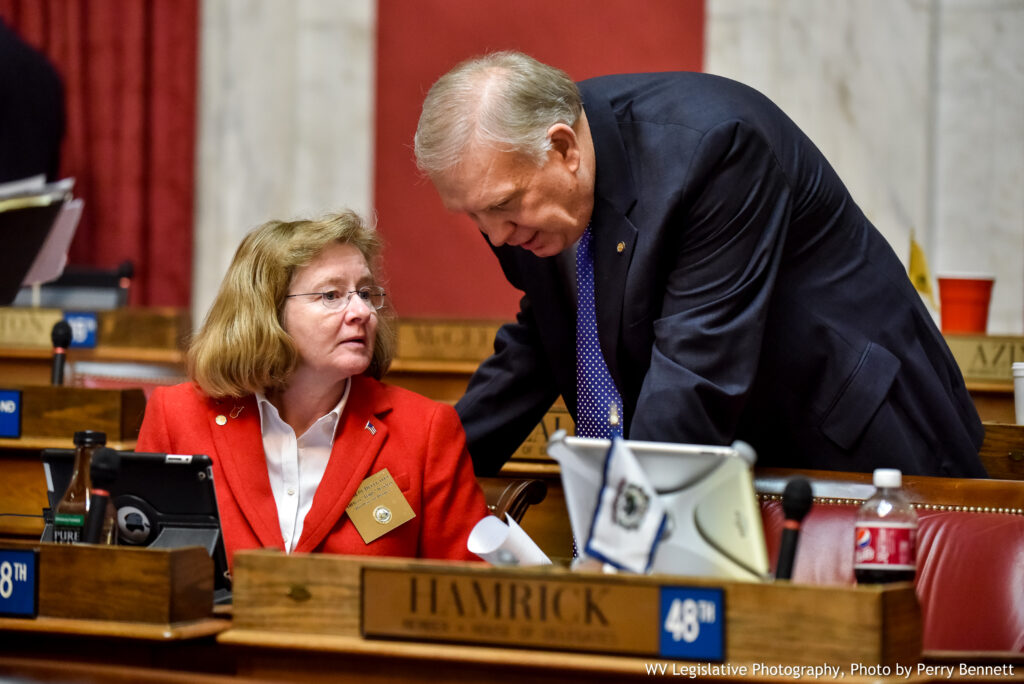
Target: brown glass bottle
{"x":69,"y":515}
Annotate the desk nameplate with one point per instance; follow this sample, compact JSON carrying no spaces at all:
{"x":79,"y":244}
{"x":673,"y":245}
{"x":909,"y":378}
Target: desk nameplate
{"x":509,"y":609}
{"x":446,"y":340}
{"x":22,"y":327}
{"x":986,"y":358}
{"x":153,"y":328}
{"x":535,"y":447}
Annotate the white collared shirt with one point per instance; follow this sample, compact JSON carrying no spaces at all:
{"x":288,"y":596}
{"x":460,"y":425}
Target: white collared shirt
{"x":296,"y":466}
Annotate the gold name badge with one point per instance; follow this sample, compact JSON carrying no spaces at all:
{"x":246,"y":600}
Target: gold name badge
{"x":378,"y":506}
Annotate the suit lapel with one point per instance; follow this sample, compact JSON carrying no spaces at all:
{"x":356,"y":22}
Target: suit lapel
{"x":239,"y":443}
{"x":361,"y":435}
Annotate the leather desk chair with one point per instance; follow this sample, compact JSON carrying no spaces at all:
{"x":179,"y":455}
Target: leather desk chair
{"x":513,"y":497}
{"x":970,"y":555}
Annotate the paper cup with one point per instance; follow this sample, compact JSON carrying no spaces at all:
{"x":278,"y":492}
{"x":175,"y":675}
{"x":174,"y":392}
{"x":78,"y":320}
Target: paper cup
{"x":964,"y":300}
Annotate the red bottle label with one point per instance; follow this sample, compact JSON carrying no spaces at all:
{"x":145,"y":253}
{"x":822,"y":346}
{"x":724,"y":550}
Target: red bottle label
{"x":885,"y":546}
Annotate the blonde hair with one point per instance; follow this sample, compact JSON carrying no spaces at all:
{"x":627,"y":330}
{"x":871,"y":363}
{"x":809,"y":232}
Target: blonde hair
{"x":242,"y":347}
{"x":507,"y":100}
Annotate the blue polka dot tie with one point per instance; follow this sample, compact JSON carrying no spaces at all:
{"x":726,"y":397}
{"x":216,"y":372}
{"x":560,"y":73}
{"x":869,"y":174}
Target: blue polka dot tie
{"x":598,"y":404}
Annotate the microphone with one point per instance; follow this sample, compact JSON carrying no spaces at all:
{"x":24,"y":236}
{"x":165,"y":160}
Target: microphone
{"x":796,"y":501}
{"x":61,"y":338}
{"x":103,"y":471}
{"x":125,"y":273}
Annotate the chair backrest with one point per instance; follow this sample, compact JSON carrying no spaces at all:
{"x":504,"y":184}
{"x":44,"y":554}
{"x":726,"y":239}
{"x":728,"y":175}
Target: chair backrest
{"x":970,"y":550}
{"x":512,"y":497}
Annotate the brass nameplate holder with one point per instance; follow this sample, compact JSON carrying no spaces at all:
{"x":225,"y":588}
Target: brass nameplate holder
{"x":162,"y":328}
{"x":535,"y":447}
{"x":986,"y":358}
{"x":148,"y":328}
{"x":446,"y":340}
{"x":27,"y":328}
{"x":506,"y":609}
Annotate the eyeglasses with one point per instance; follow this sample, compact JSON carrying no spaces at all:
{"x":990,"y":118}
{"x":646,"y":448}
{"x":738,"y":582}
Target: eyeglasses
{"x":373,"y":297}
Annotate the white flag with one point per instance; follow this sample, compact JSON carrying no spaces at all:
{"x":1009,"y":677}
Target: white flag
{"x":629,"y":517}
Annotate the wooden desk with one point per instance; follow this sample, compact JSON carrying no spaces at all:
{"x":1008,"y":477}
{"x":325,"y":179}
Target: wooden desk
{"x":101,"y":606}
{"x":22,"y":494}
{"x":34,"y":366}
{"x":69,"y":650}
{"x":50,"y":417}
{"x":994,"y":401}
{"x":1002,"y":452}
{"x":315,"y":634}
{"x":258,"y":657}
{"x":314,"y":658}
{"x":436,"y":357}
{"x":152,"y":335}
{"x":215,"y":650}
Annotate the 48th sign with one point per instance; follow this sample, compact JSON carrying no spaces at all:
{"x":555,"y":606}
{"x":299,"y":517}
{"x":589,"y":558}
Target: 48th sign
{"x":19,"y":586}
{"x":693,"y":623}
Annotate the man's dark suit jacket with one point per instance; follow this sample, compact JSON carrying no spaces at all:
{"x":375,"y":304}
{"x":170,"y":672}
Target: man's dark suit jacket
{"x":31,"y":111}
{"x":750,"y":299}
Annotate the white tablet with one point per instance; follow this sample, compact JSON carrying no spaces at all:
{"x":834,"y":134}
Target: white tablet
{"x":714,"y":524}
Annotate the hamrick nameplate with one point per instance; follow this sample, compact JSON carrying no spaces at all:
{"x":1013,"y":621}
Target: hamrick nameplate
{"x":544,"y":610}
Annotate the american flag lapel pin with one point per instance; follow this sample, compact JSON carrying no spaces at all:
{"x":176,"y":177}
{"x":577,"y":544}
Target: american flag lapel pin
{"x":369,"y":426}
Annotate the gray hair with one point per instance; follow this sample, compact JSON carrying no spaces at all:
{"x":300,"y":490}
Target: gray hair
{"x":507,"y":100}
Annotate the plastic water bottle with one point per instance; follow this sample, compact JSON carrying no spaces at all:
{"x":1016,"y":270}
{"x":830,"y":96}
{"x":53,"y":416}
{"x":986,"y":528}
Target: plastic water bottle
{"x":885,"y":536}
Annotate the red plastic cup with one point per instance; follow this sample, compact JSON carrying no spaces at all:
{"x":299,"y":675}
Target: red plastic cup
{"x":964,"y":300}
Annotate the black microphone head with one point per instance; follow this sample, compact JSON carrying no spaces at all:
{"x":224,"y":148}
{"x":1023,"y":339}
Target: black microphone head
{"x":61,"y":334}
{"x":126,"y":269}
{"x":105,"y":467}
{"x":796,"y":498}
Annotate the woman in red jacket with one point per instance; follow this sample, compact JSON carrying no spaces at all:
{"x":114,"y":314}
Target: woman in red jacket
{"x":310,"y":451}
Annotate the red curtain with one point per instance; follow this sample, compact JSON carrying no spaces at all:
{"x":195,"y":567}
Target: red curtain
{"x":417,"y":41}
{"x":130,"y":79}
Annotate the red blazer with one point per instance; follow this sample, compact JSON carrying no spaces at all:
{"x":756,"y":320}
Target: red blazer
{"x":419,"y":441}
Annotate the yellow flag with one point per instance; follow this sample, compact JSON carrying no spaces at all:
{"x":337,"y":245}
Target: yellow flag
{"x":917,"y":269}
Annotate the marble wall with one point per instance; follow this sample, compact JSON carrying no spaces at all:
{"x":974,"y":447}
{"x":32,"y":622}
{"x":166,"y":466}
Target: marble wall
{"x":919,"y":104}
{"x":979,"y":150}
{"x":285,"y":120}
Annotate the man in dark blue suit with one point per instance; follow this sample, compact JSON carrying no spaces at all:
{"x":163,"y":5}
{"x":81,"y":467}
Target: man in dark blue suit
{"x":740,"y":292}
{"x":31,"y":110}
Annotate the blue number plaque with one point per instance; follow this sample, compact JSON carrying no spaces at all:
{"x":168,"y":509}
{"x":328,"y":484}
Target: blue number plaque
{"x":10,"y":414}
{"x":692,"y":624}
{"x":83,"y":328}
{"x":19,"y":583}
